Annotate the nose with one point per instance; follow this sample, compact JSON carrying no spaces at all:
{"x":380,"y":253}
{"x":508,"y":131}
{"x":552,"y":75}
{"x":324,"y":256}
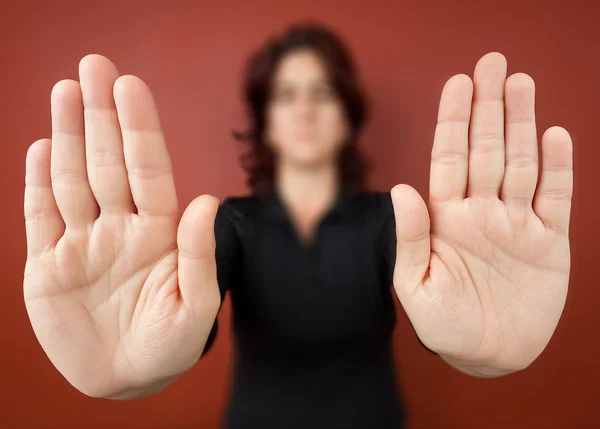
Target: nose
{"x":306,"y":107}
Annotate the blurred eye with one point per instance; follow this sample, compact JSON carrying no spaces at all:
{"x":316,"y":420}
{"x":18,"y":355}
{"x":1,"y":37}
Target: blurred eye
{"x":325,"y":94}
{"x":283,"y":95}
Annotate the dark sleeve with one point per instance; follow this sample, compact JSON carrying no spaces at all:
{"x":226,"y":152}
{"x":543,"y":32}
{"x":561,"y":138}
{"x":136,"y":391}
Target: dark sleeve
{"x":388,"y":241}
{"x":388,"y":235}
{"x":227,"y":255}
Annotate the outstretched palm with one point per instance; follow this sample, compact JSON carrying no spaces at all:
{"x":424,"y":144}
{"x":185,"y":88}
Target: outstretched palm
{"x":482,"y":270}
{"x":120,"y":289}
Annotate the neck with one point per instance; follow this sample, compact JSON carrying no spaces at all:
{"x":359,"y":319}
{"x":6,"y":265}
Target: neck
{"x":313,"y":190}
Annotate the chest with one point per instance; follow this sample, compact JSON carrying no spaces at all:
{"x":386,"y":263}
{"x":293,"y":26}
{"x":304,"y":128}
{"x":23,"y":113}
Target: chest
{"x":309,"y":282}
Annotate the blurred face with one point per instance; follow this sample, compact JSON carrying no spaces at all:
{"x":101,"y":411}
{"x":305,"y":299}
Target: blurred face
{"x":306,"y":123}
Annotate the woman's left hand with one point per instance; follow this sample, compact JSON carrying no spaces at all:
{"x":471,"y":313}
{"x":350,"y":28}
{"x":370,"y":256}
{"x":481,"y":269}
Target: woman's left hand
{"x":482,"y":269}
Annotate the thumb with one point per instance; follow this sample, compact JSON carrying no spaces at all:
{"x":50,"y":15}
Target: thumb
{"x":197,"y":267}
{"x":412,"y":240}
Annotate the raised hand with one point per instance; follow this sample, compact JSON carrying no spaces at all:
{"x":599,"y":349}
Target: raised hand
{"x":482,"y":270}
{"x":120,"y":290}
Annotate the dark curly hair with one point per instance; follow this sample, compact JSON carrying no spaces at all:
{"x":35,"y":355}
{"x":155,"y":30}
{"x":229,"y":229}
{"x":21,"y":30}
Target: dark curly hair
{"x":259,"y":162}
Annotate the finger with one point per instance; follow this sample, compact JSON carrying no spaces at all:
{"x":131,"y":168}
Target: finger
{"x":43,"y":222}
{"x":486,"y":136}
{"x":68,"y":169}
{"x":450,"y":152}
{"x":197,"y":268}
{"x":521,"y":168}
{"x":104,"y":145}
{"x":552,"y":201}
{"x":413,"y":240}
{"x":146,"y":155}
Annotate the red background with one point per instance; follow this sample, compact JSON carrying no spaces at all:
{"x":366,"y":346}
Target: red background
{"x":192,"y":55}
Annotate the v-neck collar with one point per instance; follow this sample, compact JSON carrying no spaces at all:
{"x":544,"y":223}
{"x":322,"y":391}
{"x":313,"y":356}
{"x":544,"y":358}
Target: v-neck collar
{"x":276,"y":208}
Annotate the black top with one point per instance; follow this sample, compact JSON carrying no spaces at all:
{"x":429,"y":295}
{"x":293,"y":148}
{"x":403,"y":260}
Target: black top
{"x":312,"y":323}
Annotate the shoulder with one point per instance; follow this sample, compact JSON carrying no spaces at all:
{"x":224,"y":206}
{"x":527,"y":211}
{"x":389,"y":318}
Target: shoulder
{"x":239,"y":208}
{"x":376,"y":201}
{"x":377,"y":206}
{"x":232,"y":217}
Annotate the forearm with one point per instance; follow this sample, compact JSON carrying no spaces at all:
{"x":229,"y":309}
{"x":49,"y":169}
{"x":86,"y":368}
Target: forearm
{"x":142,"y":392}
{"x":476,"y":370}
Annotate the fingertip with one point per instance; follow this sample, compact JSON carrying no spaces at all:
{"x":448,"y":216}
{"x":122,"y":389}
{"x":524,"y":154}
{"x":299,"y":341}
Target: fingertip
{"x":521,"y":80}
{"x":557,"y":144}
{"x":557,"y":132}
{"x":498,"y":55}
{"x":37,"y":163}
{"x":201,"y":206}
{"x":406,"y":194}
{"x":463,"y":78}
{"x":493,"y":57}
{"x":92,"y":61}
{"x":38,"y":147}
{"x":66,"y":101}
{"x":129,"y":83}
{"x":85,"y":61}
{"x":65,"y":90}
{"x":135,"y":104}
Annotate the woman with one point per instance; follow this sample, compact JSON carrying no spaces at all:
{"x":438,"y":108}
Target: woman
{"x":123,"y":293}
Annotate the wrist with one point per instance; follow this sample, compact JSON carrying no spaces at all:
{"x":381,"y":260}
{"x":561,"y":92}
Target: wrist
{"x":142,"y":391}
{"x":475,"y":369}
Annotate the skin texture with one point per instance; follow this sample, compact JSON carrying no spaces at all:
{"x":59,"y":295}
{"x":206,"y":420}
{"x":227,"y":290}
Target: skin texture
{"x":121,"y":288}
{"x":482,"y":269}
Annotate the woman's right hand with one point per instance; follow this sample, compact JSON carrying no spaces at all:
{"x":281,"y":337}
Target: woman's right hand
{"x":120,"y":290}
